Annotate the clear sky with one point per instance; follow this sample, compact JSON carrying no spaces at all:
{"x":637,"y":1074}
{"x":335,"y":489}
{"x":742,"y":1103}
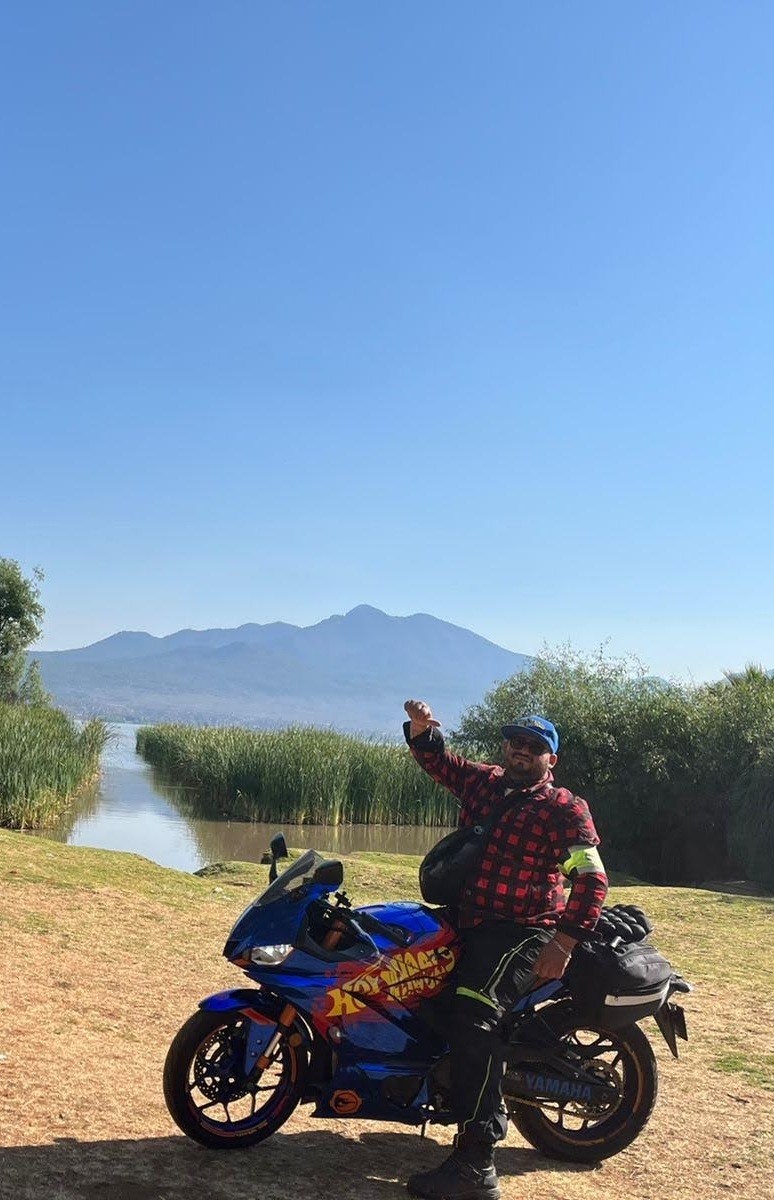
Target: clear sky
{"x":448,"y":307}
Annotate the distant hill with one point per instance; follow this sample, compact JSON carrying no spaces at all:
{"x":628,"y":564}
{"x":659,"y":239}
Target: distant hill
{"x":352,"y":672}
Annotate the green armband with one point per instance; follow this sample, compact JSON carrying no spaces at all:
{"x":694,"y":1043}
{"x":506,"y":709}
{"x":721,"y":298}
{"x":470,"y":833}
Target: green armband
{"x":583,"y":860}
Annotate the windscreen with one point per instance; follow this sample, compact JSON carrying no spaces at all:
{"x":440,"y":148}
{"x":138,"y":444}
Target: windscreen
{"x":294,"y":877}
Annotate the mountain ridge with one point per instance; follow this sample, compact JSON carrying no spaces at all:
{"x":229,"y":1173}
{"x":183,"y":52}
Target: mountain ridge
{"x":350,"y":670}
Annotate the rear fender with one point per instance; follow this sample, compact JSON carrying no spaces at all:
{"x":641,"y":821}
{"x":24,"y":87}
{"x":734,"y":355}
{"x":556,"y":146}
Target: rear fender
{"x":670,"y":1019}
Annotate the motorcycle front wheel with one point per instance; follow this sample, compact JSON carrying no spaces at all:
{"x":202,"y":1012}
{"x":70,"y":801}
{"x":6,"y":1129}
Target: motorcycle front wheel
{"x":579,"y":1132}
{"x":211,"y":1097}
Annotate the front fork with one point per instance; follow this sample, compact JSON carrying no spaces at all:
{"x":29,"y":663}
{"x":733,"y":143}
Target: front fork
{"x":261,"y":1009}
{"x":285,"y":1023}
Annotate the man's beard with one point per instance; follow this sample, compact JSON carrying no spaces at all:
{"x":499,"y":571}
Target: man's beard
{"x":524,"y":773}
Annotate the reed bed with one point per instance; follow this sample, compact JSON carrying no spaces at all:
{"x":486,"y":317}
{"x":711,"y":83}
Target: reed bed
{"x":44,"y":760}
{"x":301,"y":776}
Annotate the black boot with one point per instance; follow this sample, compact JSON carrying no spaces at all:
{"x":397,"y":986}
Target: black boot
{"x":462,"y":1176}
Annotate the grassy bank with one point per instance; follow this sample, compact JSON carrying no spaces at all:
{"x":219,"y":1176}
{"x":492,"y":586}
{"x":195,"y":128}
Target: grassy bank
{"x":299,"y":775}
{"x":103,"y":955}
{"x":44,"y":760}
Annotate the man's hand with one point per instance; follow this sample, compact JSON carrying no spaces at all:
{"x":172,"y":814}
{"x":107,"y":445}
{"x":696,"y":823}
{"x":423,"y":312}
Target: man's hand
{"x":421,"y":717}
{"x":552,"y":961}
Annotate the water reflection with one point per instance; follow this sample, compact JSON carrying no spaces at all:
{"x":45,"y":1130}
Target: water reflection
{"x":133,"y":808}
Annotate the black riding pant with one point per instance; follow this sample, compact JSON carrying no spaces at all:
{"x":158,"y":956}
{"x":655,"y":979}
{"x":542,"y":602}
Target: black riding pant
{"x":494,"y":972}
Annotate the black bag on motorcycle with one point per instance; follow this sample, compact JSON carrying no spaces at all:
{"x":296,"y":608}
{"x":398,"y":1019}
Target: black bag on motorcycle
{"x":445,"y":867}
{"x":617,"y":983}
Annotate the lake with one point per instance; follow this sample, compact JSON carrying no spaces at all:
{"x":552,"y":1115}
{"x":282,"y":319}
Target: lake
{"x":132,"y":808}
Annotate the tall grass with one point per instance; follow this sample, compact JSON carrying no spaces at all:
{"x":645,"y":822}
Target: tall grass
{"x":299,"y":775}
{"x":44,"y":760}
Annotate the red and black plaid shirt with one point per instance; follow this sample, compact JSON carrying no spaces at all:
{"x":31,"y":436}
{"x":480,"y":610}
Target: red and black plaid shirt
{"x":519,"y":877}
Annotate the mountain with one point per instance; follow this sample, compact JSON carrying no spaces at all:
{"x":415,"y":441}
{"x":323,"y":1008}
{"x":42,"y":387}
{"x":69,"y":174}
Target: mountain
{"x":352,"y":672}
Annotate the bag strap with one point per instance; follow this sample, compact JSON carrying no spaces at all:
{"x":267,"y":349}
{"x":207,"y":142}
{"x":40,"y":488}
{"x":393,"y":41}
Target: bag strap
{"x":507,"y":803}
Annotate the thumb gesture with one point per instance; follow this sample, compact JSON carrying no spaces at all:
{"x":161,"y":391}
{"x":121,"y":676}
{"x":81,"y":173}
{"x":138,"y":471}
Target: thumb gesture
{"x":421,"y":717}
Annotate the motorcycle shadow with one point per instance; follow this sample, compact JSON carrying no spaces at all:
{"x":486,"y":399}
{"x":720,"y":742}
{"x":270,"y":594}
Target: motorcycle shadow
{"x":305,"y":1165}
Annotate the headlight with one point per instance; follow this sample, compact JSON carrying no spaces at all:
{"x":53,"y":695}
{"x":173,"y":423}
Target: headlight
{"x":270,"y":954}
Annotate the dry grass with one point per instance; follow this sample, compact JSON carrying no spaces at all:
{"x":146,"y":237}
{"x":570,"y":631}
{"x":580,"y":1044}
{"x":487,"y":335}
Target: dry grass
{"x":104,"y":955}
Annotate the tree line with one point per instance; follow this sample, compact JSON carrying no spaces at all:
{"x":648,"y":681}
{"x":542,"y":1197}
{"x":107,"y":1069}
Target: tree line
{"x":21,"y":620}
{"x":45,"y":756}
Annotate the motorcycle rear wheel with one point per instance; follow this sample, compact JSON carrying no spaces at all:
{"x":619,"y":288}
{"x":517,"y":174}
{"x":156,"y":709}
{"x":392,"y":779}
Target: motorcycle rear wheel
{"x":574,"y":1132}
{"x":210,"y":1097}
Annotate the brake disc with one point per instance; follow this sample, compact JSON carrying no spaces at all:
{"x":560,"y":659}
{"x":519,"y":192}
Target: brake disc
{"x":218,"y":1076}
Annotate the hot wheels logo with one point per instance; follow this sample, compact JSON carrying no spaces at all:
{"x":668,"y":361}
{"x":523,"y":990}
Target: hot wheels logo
{"x":405,"y":974}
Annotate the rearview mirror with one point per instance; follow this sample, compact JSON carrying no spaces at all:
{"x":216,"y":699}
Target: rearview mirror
{"x":278,"y":849}
{"x":330,"y":872}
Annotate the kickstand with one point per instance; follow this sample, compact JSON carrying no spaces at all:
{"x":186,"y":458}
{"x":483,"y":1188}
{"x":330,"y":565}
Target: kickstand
{"x":423,"y":1129}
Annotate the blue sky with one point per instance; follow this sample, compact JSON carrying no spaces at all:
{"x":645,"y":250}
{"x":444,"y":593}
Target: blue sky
{"x":455,"y":308}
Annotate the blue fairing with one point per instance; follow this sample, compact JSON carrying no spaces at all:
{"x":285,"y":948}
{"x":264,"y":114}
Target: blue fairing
{"x":275,"y":924}
{"x":414,"y":918}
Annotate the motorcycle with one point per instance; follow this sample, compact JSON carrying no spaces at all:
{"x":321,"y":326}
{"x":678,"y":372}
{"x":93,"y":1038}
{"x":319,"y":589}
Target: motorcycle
{"x":349,"y":1015}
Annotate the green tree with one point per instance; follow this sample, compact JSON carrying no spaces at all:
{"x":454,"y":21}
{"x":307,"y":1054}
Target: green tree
{"x":21,"y":616}
{"x":740,"y":751}
{"x":752,"y":819}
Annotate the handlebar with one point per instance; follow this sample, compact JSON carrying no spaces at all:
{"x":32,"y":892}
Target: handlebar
{"x":392,"y":933}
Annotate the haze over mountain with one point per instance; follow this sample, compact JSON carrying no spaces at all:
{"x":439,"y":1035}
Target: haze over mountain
{"x":352,"y":672}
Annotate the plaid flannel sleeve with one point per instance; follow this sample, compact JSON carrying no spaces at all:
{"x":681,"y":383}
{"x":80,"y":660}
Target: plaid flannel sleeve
{"x":457,"y":775}
{"x":580,"y":861}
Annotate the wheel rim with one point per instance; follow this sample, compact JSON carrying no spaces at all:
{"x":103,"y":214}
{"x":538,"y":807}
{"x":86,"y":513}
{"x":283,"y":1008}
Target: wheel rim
{"x":226,"y":1101}
{"x":611,"y":1059}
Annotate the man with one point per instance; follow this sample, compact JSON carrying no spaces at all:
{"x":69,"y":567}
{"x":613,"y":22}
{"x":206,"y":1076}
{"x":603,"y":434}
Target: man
{"x":517,"y":927}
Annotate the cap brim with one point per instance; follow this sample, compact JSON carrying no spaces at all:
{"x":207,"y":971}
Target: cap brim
{"x":509,"y":731}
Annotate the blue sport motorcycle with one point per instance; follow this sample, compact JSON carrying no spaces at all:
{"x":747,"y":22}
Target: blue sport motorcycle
{"x":349,"y":1014}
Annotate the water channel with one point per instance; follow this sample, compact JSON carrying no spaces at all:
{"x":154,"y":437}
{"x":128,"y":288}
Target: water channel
{"x":132,"y":808}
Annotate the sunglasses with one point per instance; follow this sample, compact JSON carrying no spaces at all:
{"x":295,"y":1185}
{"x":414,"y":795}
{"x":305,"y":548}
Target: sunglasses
{"x":531,"y":745}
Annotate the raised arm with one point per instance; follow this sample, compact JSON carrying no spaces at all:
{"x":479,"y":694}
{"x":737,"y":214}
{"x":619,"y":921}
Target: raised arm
{"x":426,"y":743}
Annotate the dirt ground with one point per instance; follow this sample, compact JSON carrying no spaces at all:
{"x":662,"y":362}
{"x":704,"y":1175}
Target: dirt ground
{"x":97,"y":977}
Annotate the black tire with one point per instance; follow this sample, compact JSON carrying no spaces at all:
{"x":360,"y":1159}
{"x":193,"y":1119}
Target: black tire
{"x":574,"y":1132}
{"x":204,"y":1078}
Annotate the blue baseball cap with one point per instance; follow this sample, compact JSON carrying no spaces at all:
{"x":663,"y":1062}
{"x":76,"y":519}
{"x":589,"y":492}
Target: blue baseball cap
{"x":539,"y":727}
